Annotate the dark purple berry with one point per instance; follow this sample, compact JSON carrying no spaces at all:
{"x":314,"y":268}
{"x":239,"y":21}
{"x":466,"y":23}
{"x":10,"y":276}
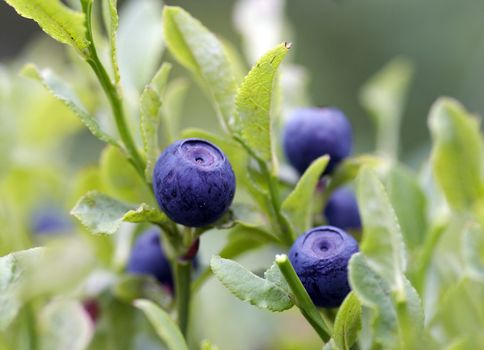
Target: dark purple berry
{"x":148,"y":258}
{"x":314,"y":132}
{"x":193,"y":182}
{"x":50,"y":220}
{"x":320,"y":257}
{"x":342,"y":210}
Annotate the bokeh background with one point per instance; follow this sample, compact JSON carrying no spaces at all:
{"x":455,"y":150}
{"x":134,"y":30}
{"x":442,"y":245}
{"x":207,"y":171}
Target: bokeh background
{"x":339,"y":43}
{"x":342,"y":43}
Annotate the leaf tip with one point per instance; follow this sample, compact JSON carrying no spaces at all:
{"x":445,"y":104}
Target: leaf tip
{"x":30,"y":71}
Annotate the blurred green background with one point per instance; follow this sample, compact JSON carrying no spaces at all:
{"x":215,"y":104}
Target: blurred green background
{"x":341,"y":44}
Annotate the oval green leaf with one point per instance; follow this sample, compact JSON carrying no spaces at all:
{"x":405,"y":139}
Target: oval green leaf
{"x":198,"y":50}
{"x":248,"y":287}
{"x":253,"y":124}
{"x":163,"y":324}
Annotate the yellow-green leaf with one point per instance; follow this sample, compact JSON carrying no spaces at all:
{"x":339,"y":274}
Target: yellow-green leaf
{"x":248,"y":287}
{"x":111,"y":20}
{"x":384,"y":97}
{"x":382,"y":241}
{"x":347,"y":323}
{"x":101,"y":214}
{"x":298,"y":206}
{"x":59,"y":21}
{"x":150,"y":117}
{"x":456,"y":153}
{"x":163,"y":324}
{"x":253,"y":124}
{"x":198,"y":50}
{"x":60,"y":90}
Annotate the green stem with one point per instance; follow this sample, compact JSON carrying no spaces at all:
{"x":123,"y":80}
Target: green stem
{"x":284,"y":228}
{"x":166,"y":127}
{"x":303,"y":300}
{"x":183,"y":293}
{"x":426,"y":257}
{"x":112,"y":94}
{"x":31,"y":326}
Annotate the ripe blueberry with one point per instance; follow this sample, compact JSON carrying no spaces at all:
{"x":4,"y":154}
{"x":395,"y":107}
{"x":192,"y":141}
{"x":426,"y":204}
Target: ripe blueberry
{"x":193,"y":182}
{"x":314,"y":132}
{"x":320,"y":257}
{"x":148,"y":258}
{"x":342,"y":210}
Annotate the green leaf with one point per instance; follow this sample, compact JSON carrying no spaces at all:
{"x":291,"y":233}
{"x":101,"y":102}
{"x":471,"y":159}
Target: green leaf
{"x":174,"y":101}
{"x":457,"y":153}
{"x":13,"y":268}
{"x":150,"y":108}
{"x":384,"y":97}
{"x":411,"y":315}
{"x":253,"y":123}
{"x":64,"y":93}
{"x":248,"y":287}
{"x":382,"y":241}
{"x":160,"y":79}
{"x":348,"y":323}
{"x":57,"y":20}
{"x":409,"y":203}
{"x":145,"y":213}
{"x":206,"y":345}
{"x":120,"y":320}
{"x":392,"y":317}
{"x":140,"y":43}
{"x":163,"y":325}
{"x":242,"y":239}
{"x":460,"y":313}
{"x":111,"y":20}
{"x":101,"y":214}
{"x":298,"y":206}
{"x":198,"y":50}
{"x":274,"y":275}
{"x":374,"y":292}
{"x":63,"y":324}
{"x":473,"y":251}
{"x":119,"y":177}
{"x":350,"y":168}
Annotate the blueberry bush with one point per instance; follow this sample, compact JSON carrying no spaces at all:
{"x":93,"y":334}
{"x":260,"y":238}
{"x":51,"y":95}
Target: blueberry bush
{"x":365,"y":252}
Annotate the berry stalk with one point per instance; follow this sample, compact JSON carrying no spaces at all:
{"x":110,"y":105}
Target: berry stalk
{"x":303,"y":301}
{"x":284,"y":228}
{"x":183,"y":270}
{"x":112,"y":95}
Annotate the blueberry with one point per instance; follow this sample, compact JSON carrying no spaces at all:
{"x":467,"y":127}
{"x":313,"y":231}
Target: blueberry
{"x":49,"y":220}
{"x":342,"y":210}
{"x":320,"y":257}
{"x":148,"y":258}
{"x":314,"y":132}
{"x":193,"y":182}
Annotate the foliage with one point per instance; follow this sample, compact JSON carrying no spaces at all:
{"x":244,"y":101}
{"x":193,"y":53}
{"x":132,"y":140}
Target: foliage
{"x":417,"y":281}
